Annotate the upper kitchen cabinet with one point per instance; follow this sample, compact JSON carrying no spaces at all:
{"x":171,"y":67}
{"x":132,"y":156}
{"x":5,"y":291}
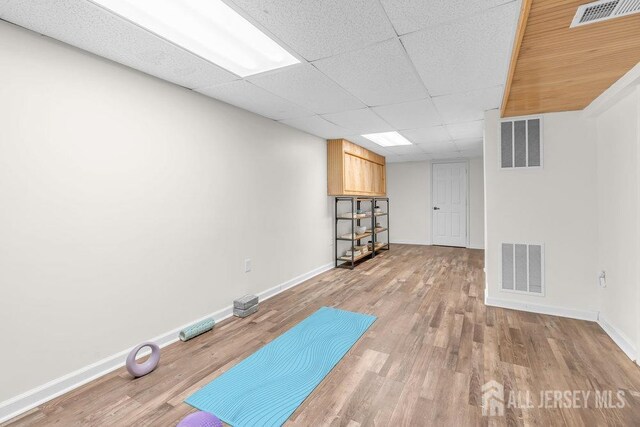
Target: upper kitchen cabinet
{"x":354,"y":171}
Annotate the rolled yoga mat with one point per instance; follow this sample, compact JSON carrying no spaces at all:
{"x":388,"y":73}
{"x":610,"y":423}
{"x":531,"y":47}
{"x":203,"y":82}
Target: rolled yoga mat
{"x":265,"y":388}
{"x":197,"y":329}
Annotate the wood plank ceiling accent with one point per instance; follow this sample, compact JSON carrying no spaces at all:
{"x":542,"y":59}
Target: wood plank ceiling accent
{"x":557,"y":68}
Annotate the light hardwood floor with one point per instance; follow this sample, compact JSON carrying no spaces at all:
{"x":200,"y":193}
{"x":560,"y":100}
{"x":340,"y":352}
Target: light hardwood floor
{"x":423,"y":362}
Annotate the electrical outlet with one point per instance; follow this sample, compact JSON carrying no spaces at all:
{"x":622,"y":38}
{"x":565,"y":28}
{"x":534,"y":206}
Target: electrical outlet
{"x":247,"y":265}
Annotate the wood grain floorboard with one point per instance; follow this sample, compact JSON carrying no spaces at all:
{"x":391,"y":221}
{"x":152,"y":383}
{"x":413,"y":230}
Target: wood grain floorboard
{"x":423,"y":362}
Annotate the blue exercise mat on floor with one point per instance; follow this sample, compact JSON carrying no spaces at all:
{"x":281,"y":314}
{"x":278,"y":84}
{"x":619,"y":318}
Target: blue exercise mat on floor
{"x":266,"y":387}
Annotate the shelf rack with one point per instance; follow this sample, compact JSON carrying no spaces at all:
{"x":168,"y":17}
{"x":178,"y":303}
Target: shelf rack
{"x":374,"y":232}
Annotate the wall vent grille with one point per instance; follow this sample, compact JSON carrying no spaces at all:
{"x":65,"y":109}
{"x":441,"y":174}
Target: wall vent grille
{"x":523,"y":268}
{"x":521,"y":143}
{"x":603,"y":10}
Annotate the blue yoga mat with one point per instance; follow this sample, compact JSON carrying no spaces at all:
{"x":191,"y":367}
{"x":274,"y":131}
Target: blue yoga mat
{"x":266,"y":387}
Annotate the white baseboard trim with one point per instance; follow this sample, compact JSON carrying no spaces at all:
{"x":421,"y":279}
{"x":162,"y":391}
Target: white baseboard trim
{"x":37,"y":396}
{"x":625,"y":344}
{"x":411,"y":242}
{"x":425,"y":243}
{"x":542,"y":309}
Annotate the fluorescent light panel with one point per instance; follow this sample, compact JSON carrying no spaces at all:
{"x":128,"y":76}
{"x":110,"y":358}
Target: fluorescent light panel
{"x":207,"y":28}
{"x":387,"y":139}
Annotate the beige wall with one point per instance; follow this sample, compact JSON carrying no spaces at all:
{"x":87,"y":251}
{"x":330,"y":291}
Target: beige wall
{"x":129,"y":205}
{"x":409,"y":190}
{"x":618,"y":211}
{"x":554,"y":205}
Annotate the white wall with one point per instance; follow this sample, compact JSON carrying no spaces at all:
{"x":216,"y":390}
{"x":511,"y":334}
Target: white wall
{"x":129,"y":205}
{"x":584,"y":205}
{"x":618,"y":140}
{"x":409,"y":191}
{"x":476,"y":203}
{"x":555,"y":205}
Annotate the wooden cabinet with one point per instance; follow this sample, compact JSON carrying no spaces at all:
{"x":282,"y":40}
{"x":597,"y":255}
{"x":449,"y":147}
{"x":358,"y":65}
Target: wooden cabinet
{"x":354,"y":171}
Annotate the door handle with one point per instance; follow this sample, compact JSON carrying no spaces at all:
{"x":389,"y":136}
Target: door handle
{"x":435,"y":208}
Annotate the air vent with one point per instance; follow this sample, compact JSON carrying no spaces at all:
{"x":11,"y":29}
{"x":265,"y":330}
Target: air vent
{"x":603,"y":10}
{"x":523,"y":268}
{"x":521,"y":143}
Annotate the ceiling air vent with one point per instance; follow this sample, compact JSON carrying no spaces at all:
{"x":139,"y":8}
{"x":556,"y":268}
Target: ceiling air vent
{"x":603,"y":10}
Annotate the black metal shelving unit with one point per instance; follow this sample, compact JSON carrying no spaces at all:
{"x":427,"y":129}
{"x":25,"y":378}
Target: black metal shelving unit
{"x":374,"y":232}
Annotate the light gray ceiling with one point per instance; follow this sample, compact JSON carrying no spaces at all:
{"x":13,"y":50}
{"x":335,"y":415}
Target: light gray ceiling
{"x":425,"y":68}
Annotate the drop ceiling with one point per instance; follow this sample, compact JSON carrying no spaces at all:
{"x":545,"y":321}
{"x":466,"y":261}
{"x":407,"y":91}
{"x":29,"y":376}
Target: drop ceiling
{"x":425,"y":68}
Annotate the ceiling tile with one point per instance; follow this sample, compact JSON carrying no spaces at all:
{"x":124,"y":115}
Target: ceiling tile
{"x":401,"y":158}
{"x":473,"y":152}
{"x":447,"y":156}
{"x":377,"y":75}
{"x":395,"y":158}
{"x":3,"y":7}
{"x":319,"y":29}
{"x":252,"y":98}
{"x":469,"y":106}
{"x":406,"y":149}
{"x":359,"y":121}
{"x":469,"y":143}
{"x":368,"y":144}
{"x":362,"y":141}
{"x":410,"y":115}
{"x":427,"y":135}
{"x":416,"y":157}
{"x":438,"y":147}
{"x":408,"y":16}
{"x":466,"y":130}
{"x":469,"y":54}
{"x":316,"y":125}
{"x":306,"y":86}
{"x":89,"y":27}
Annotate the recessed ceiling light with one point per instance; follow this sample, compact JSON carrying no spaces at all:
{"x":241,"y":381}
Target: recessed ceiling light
{"x":209,"y":29}
{"x":387,"y":139}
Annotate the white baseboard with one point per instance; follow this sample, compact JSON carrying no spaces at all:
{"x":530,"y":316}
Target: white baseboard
{"x":37,"y":396}
{"x":619,"y":338}
{"x":542,"y":309}
{"x":425,"y":243}
{"x":411,"y":242}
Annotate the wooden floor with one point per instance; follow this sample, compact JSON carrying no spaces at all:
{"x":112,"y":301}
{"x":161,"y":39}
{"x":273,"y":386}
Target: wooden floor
{"x":423,"y":362}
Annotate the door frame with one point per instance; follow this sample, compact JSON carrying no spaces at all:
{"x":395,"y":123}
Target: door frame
{"x":466,"y":165}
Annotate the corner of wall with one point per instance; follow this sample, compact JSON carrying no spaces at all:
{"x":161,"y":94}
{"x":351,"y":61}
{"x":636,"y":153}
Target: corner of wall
{"x":625,"y":343}
{"x":517,"y":210}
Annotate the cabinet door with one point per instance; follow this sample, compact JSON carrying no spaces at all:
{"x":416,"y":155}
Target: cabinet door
{"x":368,"y":177}
{"x":353,"y":175}
{"x":378,"y":179}
{"x":363,"y":177}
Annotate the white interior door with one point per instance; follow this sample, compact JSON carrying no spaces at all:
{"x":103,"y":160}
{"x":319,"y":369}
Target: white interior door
{"x":449,"y":204}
